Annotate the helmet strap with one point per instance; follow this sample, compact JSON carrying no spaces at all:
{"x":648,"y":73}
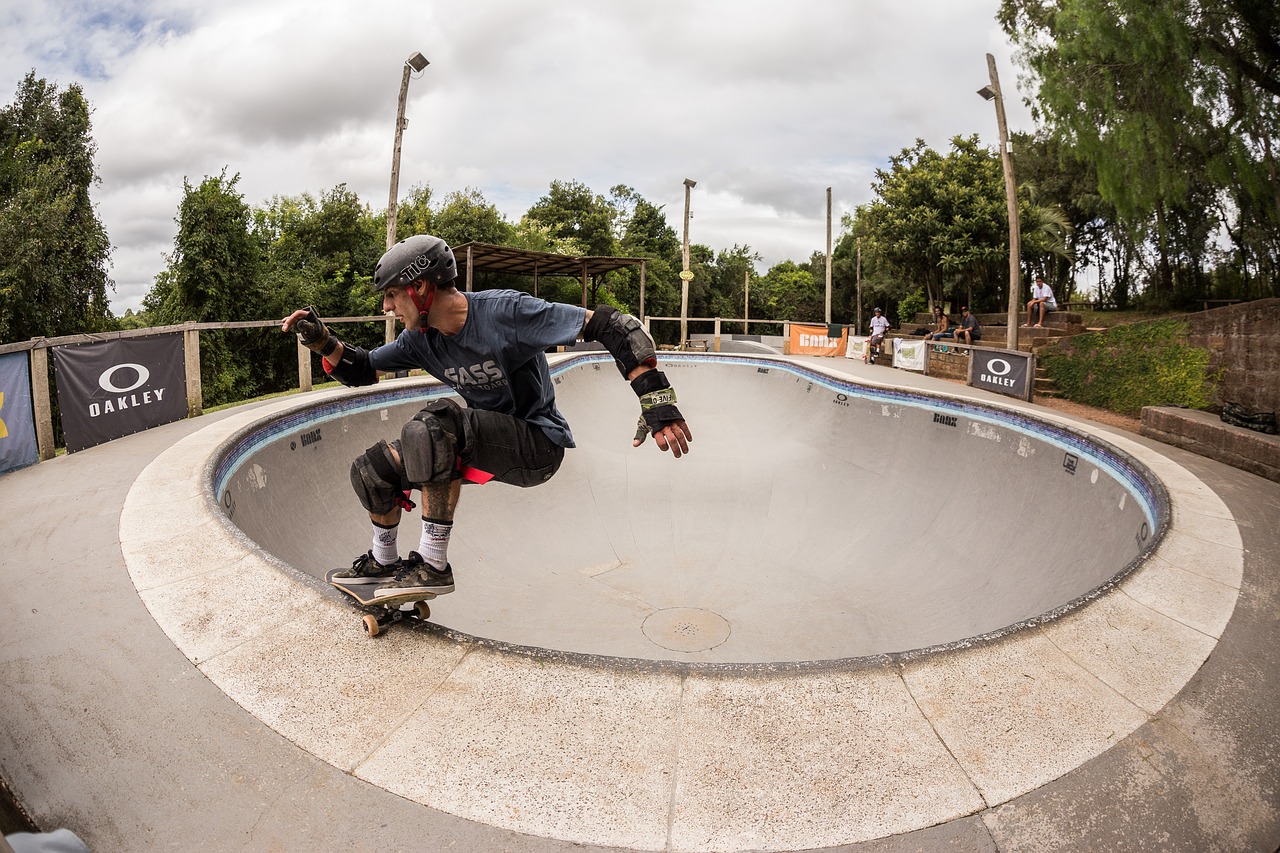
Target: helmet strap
{"x":422,"y":304}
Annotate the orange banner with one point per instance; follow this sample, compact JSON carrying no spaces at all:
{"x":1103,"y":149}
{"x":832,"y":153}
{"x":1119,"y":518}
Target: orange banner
{"x":813,"y":340}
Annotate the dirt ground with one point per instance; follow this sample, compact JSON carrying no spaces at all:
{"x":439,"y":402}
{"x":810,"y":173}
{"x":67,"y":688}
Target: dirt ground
{"x":1101,"y":416}
{"x":1078,"y":410}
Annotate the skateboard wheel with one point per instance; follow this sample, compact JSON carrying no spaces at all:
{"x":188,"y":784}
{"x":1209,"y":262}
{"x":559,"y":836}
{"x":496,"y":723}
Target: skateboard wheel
{"x":423,"y":610}
{"x":371,"y":626}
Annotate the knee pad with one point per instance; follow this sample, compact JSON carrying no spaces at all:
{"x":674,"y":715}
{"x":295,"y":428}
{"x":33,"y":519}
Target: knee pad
{"x":432,"y":442}
{"x":378,"y":479}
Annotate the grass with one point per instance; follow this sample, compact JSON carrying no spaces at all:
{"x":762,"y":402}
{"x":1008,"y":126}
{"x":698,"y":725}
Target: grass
{"x":1133,"y":365}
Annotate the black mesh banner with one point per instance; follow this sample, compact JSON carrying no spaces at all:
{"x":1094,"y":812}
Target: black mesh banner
{"x":115,"y":388}
{"x":1002,"y":371}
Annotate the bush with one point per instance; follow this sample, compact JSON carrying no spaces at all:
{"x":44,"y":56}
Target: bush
{"x":1127,"y":367}
{"x":909,"y":306}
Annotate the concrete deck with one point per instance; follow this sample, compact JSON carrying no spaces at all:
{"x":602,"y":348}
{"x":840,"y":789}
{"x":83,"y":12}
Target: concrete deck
{"x":170,"y":684}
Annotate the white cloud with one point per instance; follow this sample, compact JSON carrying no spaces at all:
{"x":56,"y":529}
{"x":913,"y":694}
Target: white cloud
{"x":765,"y":105}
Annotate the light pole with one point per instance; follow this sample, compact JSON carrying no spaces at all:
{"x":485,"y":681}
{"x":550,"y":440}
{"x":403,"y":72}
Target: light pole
{"x":417,"y":62}
{"x":992,"y":93}
{"x":828,"y":302}
{"x":686,"y":275}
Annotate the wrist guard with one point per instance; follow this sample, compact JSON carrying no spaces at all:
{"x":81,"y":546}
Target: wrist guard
{"x":623,"y":336}
{"x":314,"y":335}
{"x":657,"y":401}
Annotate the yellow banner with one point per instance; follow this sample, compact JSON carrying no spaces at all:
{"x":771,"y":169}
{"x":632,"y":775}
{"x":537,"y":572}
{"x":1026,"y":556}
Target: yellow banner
{"x":813,"y":340}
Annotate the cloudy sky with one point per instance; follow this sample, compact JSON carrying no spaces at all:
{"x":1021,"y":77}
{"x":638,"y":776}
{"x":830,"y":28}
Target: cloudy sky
{"x":764,"y":104}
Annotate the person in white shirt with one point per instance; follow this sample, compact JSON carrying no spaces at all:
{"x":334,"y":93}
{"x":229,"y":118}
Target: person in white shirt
{"x":1041,"y":299}
{"x":879,"y":326}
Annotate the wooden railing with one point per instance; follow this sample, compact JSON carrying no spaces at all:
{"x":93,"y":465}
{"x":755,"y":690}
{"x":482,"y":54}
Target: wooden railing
{"x":38,"y":362}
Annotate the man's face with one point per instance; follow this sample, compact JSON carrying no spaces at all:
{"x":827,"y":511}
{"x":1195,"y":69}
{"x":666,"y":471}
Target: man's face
{"x":396,"y":300}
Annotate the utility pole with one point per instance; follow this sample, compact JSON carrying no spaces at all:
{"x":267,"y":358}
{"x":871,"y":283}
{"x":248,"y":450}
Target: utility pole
{"x":992,"y":93}
{"x":686,"y":275}
{"x":858,"y":319}
{"x":417,"y":62}
{"x":828,"y":256}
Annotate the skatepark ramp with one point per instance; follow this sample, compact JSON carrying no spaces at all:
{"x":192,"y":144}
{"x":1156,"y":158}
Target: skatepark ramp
{"x":815,"y":518}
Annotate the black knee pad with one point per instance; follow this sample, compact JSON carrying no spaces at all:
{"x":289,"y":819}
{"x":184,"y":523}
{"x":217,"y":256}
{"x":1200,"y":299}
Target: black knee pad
{"x":432,"y":443}
{"x":378,"y":479}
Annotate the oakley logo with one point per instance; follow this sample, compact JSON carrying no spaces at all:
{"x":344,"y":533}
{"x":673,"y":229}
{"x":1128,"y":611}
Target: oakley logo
{"x":999,"y":367}
{"x":106,"y":380}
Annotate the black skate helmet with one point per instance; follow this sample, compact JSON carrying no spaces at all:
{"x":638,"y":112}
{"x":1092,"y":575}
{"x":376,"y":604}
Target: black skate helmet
{"x":419,"y":257}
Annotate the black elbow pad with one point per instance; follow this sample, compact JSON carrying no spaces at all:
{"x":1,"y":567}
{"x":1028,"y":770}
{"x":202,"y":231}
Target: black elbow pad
{"x":355,"y":367}
{"x":623,"y":336}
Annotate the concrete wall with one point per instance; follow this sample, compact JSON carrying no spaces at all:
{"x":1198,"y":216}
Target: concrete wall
{"x":1244,"y":343}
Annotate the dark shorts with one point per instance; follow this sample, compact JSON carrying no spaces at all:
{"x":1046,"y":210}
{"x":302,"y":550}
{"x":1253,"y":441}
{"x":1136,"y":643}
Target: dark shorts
{"x":512,"y":450}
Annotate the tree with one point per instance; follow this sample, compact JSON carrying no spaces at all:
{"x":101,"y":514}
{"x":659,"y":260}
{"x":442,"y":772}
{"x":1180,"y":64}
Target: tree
{"x":214,"y":275}
{"x":1167,"y":102}
{"x":571,"y":211}
{"x":467,"y":216}
{"x":937,"y":219}
{"x":53,"y":270}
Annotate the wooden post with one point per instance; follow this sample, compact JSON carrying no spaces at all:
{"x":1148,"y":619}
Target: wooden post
{"x":828,"y":256}
{"x":717,"y":336}
{"x":393,"y":202}
{"x":191,"y":360}
{"x":1011,"y":197}
{"x":746,"y":301}
{"x":642,"y":266}
{"x":41,"y":407}
{"x":304,"y":367}
{"x":584,"y":284}
{"x":858,"y":319}
{"x":469,"y":265}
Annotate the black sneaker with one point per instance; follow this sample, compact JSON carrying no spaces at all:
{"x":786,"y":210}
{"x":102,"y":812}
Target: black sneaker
{"x":365,"y":569}
{"x":416,"y":579}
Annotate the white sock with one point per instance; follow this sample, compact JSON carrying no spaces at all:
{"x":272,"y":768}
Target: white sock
{"x":384,"y":544}
{"x":434,"y":547}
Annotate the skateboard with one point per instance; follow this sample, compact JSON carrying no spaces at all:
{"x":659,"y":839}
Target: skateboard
{"x":383,"y":613}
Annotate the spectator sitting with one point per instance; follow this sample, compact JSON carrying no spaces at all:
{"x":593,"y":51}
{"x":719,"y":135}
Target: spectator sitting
{"x":968,"y":331}
{"x":942,"y":326}
{"x":1042,"y":302}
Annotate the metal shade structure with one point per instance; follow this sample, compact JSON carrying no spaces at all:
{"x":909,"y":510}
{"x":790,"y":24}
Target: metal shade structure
{"x":488,"y":257}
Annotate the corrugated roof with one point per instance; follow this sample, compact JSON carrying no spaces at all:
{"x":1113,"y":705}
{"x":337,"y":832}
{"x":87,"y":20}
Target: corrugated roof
{"x":486,"y":256}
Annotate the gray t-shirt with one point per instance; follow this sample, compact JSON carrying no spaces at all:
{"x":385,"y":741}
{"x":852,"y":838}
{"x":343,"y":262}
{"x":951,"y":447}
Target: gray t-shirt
{"x":497,"y":362}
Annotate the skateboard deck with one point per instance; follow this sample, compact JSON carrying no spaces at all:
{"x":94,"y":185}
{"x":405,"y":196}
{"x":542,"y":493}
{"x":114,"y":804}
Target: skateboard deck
{"x":413,"y":608}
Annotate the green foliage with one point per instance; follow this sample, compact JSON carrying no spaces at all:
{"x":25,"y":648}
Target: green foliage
{"x":910,"y":305}
{"x":1174,"y":107}
{"x":1131,"y":366}
{"x":935,"y":217}
{"x":571,"y":210}
{"x":53,"y":267}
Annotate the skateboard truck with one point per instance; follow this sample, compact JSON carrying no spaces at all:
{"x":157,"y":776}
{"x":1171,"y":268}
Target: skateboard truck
{"x":382,"y":613}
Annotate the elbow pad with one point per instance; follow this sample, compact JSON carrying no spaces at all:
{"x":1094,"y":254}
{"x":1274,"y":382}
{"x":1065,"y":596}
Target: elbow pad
{"x":624,"y":338}
{"x":354,"y":368}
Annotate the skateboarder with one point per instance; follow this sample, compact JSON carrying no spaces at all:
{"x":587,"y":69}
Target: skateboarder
{"x":489,"y":348}
{"x":879,"y":328}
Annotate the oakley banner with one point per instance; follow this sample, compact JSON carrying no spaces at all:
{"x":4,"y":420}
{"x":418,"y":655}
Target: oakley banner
{"x":1001,"y":371}
{"x":17,"y":421}
{"x":116,"y":388}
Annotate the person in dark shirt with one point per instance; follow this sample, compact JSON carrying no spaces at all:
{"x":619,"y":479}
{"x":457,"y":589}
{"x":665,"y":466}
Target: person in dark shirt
{"x":968,"y":331}
{"x":489,"y":347}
